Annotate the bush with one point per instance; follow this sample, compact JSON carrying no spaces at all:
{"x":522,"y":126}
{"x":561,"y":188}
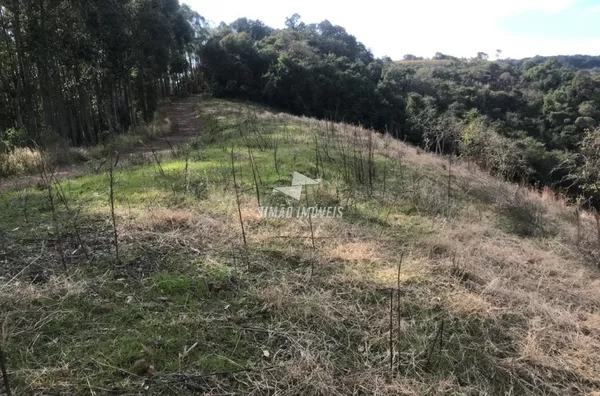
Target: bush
{"x":69,"y":156}
{"x":20,"y":160}
{"x":589,"y":246}
{"x":525,"y":216}
{"x":496,"y":153}
{"x":14,"y":137}
{"x":521,"y":212}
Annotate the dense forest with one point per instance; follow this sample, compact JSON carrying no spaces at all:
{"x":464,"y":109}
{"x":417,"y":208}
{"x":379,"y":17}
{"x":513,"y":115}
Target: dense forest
{"x":525,"y":120}
{"x":80,"y":70}
{"x":83,"y":70}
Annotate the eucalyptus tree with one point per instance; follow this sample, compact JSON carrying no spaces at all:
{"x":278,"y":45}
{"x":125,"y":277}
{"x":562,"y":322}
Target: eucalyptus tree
{"x":80,"y":70}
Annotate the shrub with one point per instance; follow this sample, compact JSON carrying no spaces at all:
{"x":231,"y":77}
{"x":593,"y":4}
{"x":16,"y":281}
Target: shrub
{"x":14,"y":137}
{"x":521,"y":212}
{"x":526,"y":217}
{"x":587,"y":238}
{"x":497,"y":153}
{"x":20,"y":160}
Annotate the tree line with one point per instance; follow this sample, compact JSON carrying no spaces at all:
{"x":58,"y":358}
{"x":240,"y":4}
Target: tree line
{"x":82,"y":70}
{"x":525,"y":120}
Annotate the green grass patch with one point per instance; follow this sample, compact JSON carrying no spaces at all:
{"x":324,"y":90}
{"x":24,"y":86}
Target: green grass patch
{"x":190,"y":299}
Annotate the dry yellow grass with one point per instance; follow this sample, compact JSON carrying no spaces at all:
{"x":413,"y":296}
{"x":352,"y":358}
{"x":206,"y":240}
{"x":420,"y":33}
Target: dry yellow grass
{"x":488,"y":272}
{"x":463,"y":303}
{"x":355,"y":252}
{"x":519,"y":313}
{"x":56,"y":287}
{"x":541,"y":280}
{"x":21,"y":160}
{"x":485,"y":271}
{"x":165,"y":219}
{"x":469,"y":265}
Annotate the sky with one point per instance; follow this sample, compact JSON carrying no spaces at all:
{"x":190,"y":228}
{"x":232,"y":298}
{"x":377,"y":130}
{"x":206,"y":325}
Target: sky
{"x":519,"y":28}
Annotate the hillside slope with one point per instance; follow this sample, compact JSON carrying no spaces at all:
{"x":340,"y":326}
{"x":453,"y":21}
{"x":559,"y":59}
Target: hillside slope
{"x":425,"y":277}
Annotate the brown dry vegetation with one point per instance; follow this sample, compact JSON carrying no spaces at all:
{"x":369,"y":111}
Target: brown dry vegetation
{"x":498,"y":292}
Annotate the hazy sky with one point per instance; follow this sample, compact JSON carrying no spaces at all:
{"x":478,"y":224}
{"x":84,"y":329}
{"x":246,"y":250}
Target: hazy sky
{"x":520,"y":28}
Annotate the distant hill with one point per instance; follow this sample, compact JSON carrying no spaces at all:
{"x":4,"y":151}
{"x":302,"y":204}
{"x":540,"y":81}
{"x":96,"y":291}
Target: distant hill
{"x":578,"y":62}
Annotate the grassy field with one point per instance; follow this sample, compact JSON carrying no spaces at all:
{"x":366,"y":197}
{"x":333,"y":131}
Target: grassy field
{"x":437,"y":279}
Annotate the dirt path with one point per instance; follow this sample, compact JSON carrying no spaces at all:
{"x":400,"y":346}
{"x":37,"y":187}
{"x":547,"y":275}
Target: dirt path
{"x":184,"y":127}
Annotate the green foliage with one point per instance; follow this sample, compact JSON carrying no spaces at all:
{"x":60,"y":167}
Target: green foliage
{"x":83,"y":70}
{"x":303,"y":69}
{"x":495,"y":152}
{"x":93,"y":69}
{"x":13,"y":137}
{"x":589,"y":109}
{"x":586,"y":168}
{"x":526,"y":111}
{"x":179,"y":285}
